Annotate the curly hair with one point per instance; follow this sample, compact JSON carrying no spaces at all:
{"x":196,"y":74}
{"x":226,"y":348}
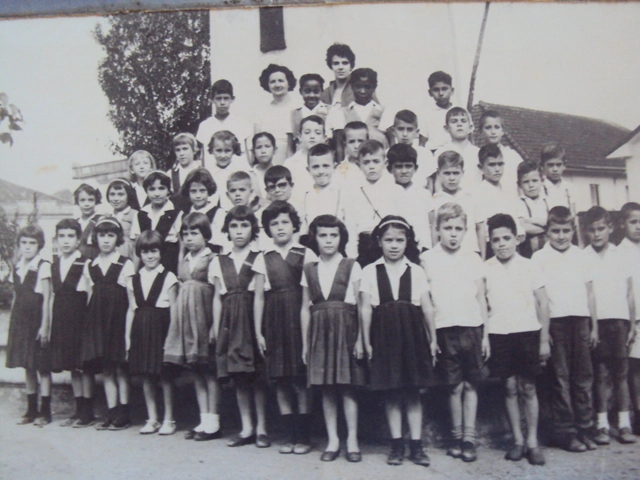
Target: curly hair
{"x":411,"y":251}
{"x":274,"y":210}
{"x":273,"y":68}
{"x":340,"y":50}
{"x":328,"y":221}
{"x":240,"y":213}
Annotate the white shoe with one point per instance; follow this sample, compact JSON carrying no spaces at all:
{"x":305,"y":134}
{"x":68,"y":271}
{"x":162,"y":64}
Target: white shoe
{"x":152,"y":426}
{"x":168,"y":428}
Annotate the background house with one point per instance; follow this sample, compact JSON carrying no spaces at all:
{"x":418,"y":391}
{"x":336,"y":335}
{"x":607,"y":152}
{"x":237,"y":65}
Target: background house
{"x":628,"y":151}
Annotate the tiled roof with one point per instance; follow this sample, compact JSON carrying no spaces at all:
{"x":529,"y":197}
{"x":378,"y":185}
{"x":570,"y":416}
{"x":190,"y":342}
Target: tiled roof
{"x":587,"y":141}
{"x":12,"y":194}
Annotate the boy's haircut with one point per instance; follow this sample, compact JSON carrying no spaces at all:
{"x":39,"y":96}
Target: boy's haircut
{"x":310,"y":77}
{"x":489,"y":150}
{"x":186,"y":139}
{"x":199,"y":175}
{"x":411,"y":251}
{"x":406,"y":116}
{"x":157,"y":175}
{"x":449,"y":211}
{"x":328,"y":221}
{"x":148,"y":240}
{"x":550,"y":151}
{"x":595,"y":214}
{"x":450,"y":159}
{"x":225,"y":136}
{"x":241,"y":213}
{"x":490,"y":114}
{"x":439,"y":76}
{"x":196,"y":221}
{"x":89,"y":190}
{"x":367,"y":73}
{"x":357,"y":125}
{"x":274,"y":210}
{"x":108,"y":225}
{"x":140,"y":153}
{"x":121,"y":184}
{"x":69,"y":224}
{"x":273,"y":68}
{"x":502,"y":220}
{"x":260,"y":135}
{"x":32,"y":231}
{"x":526,"y":167}
{"x":275,"y":173}
{"x":340,"y":50}
{"x":221,"y":87}
{"x":370,"y":147}
{"x":560,"y":216}
{"x":312,"y":118}
{"x":320,"y":150}
{"x":456,"y":112}
{"x":238,"y":176}
{"x":401,"y":153}
{"x":627,"y":209}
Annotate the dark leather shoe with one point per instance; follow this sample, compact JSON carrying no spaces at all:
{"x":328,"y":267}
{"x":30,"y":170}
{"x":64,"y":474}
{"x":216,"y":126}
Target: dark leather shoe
{"x":263,"y":441}
{"x":515,"y":453}
{"x":535,"y":456}
{"x":625,"y":436}
{"x":585,"y":438}
{"x":27,"y":419}
{"x":241,"y":441}
{"x":204,"y":436}
{"x":417,"y":454}
{"x":396,"y":455}
{"x":329,"y":456}
{"x":574,"y":445}
{"x":354,"y":457}
{"x":469,"y":452}
{"x":190,"y":435}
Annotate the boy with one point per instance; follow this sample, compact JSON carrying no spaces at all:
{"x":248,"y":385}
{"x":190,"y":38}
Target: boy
{"x":613,"y":288}
{"x":348,"y":171}
{"x":518,"y":332}
{"x":456,"y":282}
{"x":185,"y":147}
{"x":533,"y":209}
{"x":311,"y":133}
{"x":279,"y":186}
{"x":311,"y":89}
{"x":405,"y":130}
{"x":402,"y":164}
{"x":573,"y":330}
{"x":557,"y":190}
{"x":240,"y":190}
{"x":441,"y":90}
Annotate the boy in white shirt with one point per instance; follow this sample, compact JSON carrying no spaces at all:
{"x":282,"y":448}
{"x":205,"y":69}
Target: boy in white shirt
{"x":311,"y":85}
{"x":441,"y":90}
{"x":311,"y":133}
{"x":348,"y":171}
{"x":557,"y":190}
{"x":532,"y":209}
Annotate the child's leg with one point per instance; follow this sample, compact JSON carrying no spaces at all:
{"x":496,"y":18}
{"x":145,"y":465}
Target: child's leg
{"x":149,"y":389}
{"x":260,"y":399}
{"x":330,"y":410}
{"x":167,"y":396}
{"x":283,"y":394}
{"x":620,"y":367}
{"x":602,"y":391}
{"x":110,"y":386}
{"x":455,"y":405}
{"x":634,"y":382}
{"x":350,"y":406}
{"x":44,"y":415}
{"x":527,"y":388}
{"x":469,"y":410}
{"x":213,"y":394}
{"x":303,"y":395}
{"x":31,"y":381}
{"x":393,"y":409}
{"x":76,"y":383}
{"x":122,"y":377}
{"x":513,"y":409}
{"x":414,"y":413}
{"x":45,"y":384}
{"x":88,"y":384}
{"x":202,"y":396}
{"x":243,"y":396}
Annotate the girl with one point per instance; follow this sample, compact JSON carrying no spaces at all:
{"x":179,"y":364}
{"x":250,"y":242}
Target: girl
{"x":396,"y":314}
{"x":331,"y":334}
{"x":264,"y":147}
{"x":141,"y":163}
{"x":187,"y":343}
{"x":29,"y":327}
{"x":87,"y":197}
{"x":152,"y":291}
{"x":278,"y":81}
{"x":198,"y":190}
{"x":186,"y":150}
{"x":282,"y":340}
{"x":104,"y":333}
{"x":238,"y":278}
{"x":161,"y":215}
{"x":120,"y":196}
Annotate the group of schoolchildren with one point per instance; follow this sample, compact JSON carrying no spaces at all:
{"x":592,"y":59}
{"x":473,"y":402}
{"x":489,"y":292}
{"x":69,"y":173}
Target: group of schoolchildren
{"x":364,"y":258}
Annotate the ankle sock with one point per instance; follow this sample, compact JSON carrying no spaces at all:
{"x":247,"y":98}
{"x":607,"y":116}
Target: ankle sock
{"x":32,"y":405}
{"x":469,"y":434}
{"x":45,"y":407}
{"x":456,"y":432}
{"x":623,"y":420}
{"x":211,"y":423}
{"x":603,"y":420}
{"x":203,"y":420}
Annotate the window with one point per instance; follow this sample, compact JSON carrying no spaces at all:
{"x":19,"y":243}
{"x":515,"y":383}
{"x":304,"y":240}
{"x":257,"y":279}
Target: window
{"x":595,"y":194}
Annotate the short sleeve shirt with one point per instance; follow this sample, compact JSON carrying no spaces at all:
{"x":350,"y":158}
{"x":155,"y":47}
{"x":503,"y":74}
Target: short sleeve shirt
{"x":309,"y":256}
{"x":466,"y":201}
{"x":369,"y":282}
{"x":147,"y":277}
{"x":632,"y":252}
{"x":105,"y":262}
{"x":65,"y":266}
{"x":327,"y":273}
{"x":174,"y":232}
{"x":44,"y":271}
{"x":239,"y":258}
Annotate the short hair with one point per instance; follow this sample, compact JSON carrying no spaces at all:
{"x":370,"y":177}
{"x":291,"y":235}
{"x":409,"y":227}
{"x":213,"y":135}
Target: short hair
{"x":401,"y":152}
{"x":225,"y":136}
{"x":357,"y":125}
{"x":238,"y":176}
{"x":69,"y":224}
{"x":312,"y":118}
{"x":406,"y":116}
{"x":449,"y":211}
{"x":450,"y":159}
{"x":525,"y":168}
{"x":276,"y":172}
{"x":367,"y":73}
{"x":395,"y":221}
{"x":559,"y":215}
{"x":273,"y":68}
{"x":121,"y":184}
{"x":439,"y":76}
{"x":140,"y":153}
{"x":595,"y":214}
{"x":328,"y":221}
{"x":108,"y":224}
{"x":186,"y":139}
{"x":197,"y":221}
{"x":489,"y":150}
{"x":627,"y":209}
{"x":260,"y":135}
{"x":456,"y":112}
{"x":153,"y":177}
{"x":32,"y":231}
{"x":148,"y":240}
{"x":89,"y":190}
{"x":274,"y":210}
{"x":320,"y":150}
{"x":199,"y":175}
{"x":502,"y":220}
{"x":241,"y":213}
{"x":310,"y":77}
{"x":340,"y":50}
{"x":370,"y":147}
{"x":221,"y":87}
{"x":491,"y":114}
{"x":550,"y":151}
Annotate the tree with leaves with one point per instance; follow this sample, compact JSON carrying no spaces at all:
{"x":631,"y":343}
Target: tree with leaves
{"x":10,"y":114}
{"x":156,"y":76}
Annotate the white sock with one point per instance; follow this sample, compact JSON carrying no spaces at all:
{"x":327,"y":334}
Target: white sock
{"x":200,"y":428}
{"x":624,"y":420}
{"x":603,"y":420}
{"x":209,"y":426}
{"x":215,"y":421}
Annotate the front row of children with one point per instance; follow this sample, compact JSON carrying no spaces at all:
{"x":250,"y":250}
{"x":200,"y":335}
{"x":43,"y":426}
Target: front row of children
{"x":289,"y":318}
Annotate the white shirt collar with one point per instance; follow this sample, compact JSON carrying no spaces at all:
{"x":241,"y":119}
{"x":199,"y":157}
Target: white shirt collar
{"x":111,"y":258}
{"x":191,"y":257}
{"x":154,"y":271}
{"x":381,"y":261}
{"x":166,"y":207}
{"x":282,"y":251}
{"x":207,"y":206}
{"x":74,"y":256}
{"x":30,"y":265}
{"x":373,"y":104}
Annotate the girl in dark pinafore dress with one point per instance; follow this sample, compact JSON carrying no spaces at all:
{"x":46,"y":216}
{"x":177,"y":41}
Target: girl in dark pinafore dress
{"x":331,"y":333}
{"x":279,"y":332}
{"x":120,"y":196}
{"x":238,"y":278}
{"x":396,"y":313}
{"x":86,"y":198}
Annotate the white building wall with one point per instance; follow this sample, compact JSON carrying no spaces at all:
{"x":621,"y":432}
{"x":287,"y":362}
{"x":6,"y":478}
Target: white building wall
{"x":613,"y":192}
{"x":633,"y":168}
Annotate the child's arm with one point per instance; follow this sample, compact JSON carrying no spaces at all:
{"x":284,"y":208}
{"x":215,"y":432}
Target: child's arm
{"x":481,"y":297}
{"x":217,"y":311}
{"x":632,"y":310}
{"x":542,"y":309}
{"x":429,"y":320}
{"x":291,"y":145}
{"x":532,"y":225}
{"x":129,"y":318}
{"x":44,"y":334}
{"x":5,"y":270}
{"x":365,"y":315}
{"x":359,"y":346}
{"x":432,"y":226}
{"x":258,"y":309}
{"x":593,"y":313}
{"x":305,"y":316}
{"x":481,"y":233}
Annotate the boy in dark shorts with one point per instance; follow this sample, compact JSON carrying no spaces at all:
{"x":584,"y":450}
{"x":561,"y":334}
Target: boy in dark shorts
{"x":518,"y":332}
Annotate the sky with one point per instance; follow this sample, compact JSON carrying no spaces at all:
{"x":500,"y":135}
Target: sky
{"x":581,"y":59}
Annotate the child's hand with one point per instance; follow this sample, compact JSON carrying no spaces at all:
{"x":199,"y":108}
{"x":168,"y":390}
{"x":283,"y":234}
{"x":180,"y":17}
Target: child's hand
{"x":262,"y":344}
{"x":305,"y":352}
{"x":545,"y":351}
{"x":632,"y":333}
{"x":486,"y":348}
{"x":44,"y":335}
{"x":358,"y":351}
{"x":369,"y":350}
{"x":435,"y":350}
{"x":520,"y":238}
{"x":212,"y":336}
{"x":593,"y":338}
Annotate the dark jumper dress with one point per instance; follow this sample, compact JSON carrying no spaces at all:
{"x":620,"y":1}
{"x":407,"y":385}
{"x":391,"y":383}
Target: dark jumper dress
{"x":88,"y":250}
{"x":281,"y":326}
{"x":401,"y":354}
{"x":68,"y":315}
{"x":170,"y":251}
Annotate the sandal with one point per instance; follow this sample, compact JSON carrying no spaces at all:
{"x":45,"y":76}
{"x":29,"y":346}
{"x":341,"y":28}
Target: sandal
{"x":152,"y":426}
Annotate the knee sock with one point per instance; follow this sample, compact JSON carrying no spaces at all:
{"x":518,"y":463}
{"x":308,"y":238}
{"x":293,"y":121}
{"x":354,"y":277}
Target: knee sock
{"x":32,"y":405}
{"x":304,"y":429}
{"x":45,"y":407}
{"x":456,"y":432}
{"x":469,"y":434}
{"x":88,"y":407}
{"x":289,"y":427}
{"x":603,"y":420}
{"x":623,"y":420}
{"x":125,"y":412}
{"x":79,"y":401}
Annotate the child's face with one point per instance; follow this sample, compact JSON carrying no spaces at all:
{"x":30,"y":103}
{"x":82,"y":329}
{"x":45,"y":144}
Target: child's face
{"x":353,"y":140}
{"x":107,"y":242}
{"x":240,"y":232}
{"x":279,"y":190}
{"x":184,"y":154}
{"x":504,"y":243}
{"x":310,"y":92}
{"x":405,"y":132}
{"x":328,"y":239}
{"x":198,"y":195}
{"x":222,"y":103}
{"x":632,"y":226}
{"x":86,"y":203}
{"x":28,"y":247}
{"x":441,"y":93}
{"x":67,"y":240}
{"x":492,"y":130}
{"x":452,"y":233}
{"x":281,"y":229}
{"x":278,"y":84}
{"x":150,"y":258}
{"x":493,"y":169}
{"x":193,"y":240}
{"x":341,"y":67}
{"x":240,"y":192}
{"x":560,"y":235}
{"x":141,"y":166}
{"x":459,"y":127}
{"x":372,"y":165}
{"x":117,"y":198}
{"x":321,"y":169}
{"x":553,"y":169}
{"x":598,"y":234}
{"x":264,"y":150}
{"x":222,"y":152}
{"x":530,"y":183}
{"x":403,"y":172}
{"x":393,"y":243}
{"x":158,"y":194}
{"x":311,"y":134}
{"x":363,"y":90}
{"x":450,"y":178}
